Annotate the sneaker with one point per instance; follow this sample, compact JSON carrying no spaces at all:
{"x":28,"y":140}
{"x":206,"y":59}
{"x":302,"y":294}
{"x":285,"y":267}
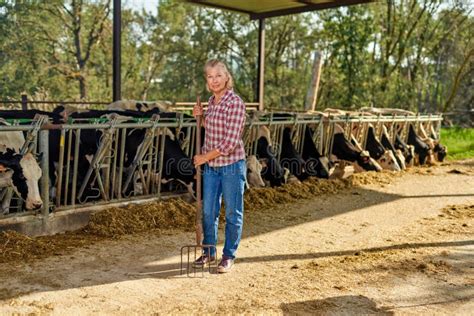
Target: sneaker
{"x":225,"y":265}
{"x":203,"y":261}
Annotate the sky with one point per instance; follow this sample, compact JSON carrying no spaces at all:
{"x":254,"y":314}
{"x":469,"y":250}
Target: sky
{"x":149,"y":5}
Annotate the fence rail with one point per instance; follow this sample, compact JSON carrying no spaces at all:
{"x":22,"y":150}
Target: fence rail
{"x":110,"y":176}
{"x":178,"y":106}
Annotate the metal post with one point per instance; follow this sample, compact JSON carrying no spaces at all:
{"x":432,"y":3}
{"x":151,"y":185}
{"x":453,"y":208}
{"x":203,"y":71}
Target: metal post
{"x":24,"y":102}
{"x":75,"y":166}
{"x":60,"y":167}
{"x":261,"y":64}
{"x":117,"y":33}
{"x":44,"y":181}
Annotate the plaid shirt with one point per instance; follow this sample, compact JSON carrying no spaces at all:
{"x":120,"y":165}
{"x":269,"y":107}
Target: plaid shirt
{"x":224,"y":126}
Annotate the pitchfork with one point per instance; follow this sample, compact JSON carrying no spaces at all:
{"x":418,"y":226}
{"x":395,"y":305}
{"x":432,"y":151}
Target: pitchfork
{"x":199,"y":248}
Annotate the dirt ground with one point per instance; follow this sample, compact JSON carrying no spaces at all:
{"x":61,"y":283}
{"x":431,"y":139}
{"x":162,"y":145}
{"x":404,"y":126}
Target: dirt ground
{"x":404,"y":246}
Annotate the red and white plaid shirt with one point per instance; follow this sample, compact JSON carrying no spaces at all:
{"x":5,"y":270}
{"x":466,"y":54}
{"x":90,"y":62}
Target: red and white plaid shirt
{"x":224,"y":126}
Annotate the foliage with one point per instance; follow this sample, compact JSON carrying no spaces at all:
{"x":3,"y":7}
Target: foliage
{"x":416,"y":55}
{"x":460,"y":142}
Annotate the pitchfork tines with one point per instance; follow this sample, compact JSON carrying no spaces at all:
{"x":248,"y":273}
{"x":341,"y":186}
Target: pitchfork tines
{"x":190,"y":254}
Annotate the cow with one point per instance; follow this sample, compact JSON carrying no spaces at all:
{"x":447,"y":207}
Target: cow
{"x":142,"y":106}
{"x":290,"y":158}
{"x":176,"y":164}
{"x":89,"y":142}
{"x":57,"y":116}
{"x":271,"y":169}
{"x":387,"y":144}
{"x":343,"y":149}
{"x":422,"y":150}
{"x":408,"y":151}
{"x":19,"y":171}
{"x":440,"y":151}
{"x":384,"y":157}
{"x":316,"y":164}
{"x":437,"y":151}
{"x":254,"y":172}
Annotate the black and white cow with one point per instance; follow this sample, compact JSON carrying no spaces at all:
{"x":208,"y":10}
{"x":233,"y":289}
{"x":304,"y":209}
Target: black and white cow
{"x":408,"y":151}
{"x":20,"y":171}
{"x":271,"y":169}
{"x":384,"y":157}
{"x":254,"y":172}
{"x":346,"y":151}
{"x":142,"y":106}
{"x":387,"y":144}
{"x":290,"y":158}
{"x":422,"y":150}
{"x":316,"y":164}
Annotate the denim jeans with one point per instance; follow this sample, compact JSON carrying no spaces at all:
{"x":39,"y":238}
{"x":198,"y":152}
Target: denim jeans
{"x":228,"y":182}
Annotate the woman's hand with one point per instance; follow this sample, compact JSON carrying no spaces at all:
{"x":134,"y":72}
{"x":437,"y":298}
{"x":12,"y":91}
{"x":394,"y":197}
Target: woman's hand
{"x":200,"y":160}
{"x":197,"y":110}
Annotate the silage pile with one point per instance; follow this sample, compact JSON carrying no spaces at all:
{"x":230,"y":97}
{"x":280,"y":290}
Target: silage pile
{"x":16,"y":247}
{"x":372,"y":177}
{"x":20,"y":246}
{"x":132,"y":219}
{"x":261,"y":198}
{"x":113,"y":222}
{"x":136,"y":218}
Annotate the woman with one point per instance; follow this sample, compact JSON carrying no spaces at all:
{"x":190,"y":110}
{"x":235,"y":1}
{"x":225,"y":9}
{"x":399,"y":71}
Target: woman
{"x":223,"y":157}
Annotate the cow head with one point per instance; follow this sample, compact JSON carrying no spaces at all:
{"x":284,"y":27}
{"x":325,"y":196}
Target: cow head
{"x":365,"y":162}
{"x":24,"y":178}
{"x":440,"y":151}
{"x":422,"y":155}
{"x":401,"y":158}
{"x":318,"y":167}
{"x":410,"y":156}
{"x":254,"y":172}
{"x":388,"y":161}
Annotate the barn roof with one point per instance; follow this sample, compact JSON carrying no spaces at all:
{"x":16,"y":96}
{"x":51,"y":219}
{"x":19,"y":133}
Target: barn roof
{"x":271,"y":8}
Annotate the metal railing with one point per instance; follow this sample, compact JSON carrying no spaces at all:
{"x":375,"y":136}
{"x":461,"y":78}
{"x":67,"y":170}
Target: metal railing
{"x":107,"y":175}
{"x":24,"y":103}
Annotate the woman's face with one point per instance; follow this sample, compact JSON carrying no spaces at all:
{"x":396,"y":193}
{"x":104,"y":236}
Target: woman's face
{"x":216,"y":79}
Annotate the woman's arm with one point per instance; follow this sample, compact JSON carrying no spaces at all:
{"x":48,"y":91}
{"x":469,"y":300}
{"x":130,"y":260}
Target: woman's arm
{"x":202,"y":159}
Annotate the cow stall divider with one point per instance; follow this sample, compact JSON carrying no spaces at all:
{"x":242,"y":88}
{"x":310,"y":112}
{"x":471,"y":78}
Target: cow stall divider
{"x":399,"y":124}
{"x":106,"y":175}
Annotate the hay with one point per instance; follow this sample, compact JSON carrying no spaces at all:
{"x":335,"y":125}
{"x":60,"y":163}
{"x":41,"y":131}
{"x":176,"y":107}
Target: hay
{"x":20,"y":246}
{"x":16,"y":247}
{"x":264,"y":198}
{"x":110,"y":223}
{"x":132,"y":219}
{"x":459,"y":211}
{"x":372,"y":177}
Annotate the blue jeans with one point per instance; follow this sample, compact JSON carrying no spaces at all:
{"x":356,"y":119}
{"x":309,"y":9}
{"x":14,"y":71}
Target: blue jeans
{"x":227,"y":181}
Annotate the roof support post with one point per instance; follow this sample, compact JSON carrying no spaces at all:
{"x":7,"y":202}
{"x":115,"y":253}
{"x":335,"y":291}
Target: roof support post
{"x":261,"y":64}
{"x":117,"y":58}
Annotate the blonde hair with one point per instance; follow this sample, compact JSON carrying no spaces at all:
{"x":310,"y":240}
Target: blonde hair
{"x":217,"y":63}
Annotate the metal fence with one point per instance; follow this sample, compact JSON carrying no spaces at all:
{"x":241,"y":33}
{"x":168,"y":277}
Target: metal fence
{"x":24,"y":103}
{"x":107,"y":179}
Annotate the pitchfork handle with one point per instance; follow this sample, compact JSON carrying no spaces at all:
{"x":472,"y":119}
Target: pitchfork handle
{"x":199,"y":230}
